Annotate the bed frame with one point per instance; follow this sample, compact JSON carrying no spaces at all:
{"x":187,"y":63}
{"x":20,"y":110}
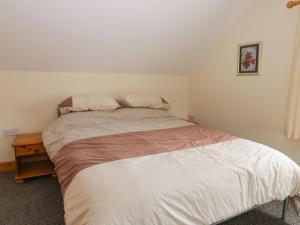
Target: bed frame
{"x":283,"y":217}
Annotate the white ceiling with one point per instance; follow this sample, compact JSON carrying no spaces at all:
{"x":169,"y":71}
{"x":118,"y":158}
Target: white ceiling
{"x":126,"y":36}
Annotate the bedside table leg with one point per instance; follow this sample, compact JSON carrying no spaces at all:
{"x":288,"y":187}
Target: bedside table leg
{"x":19,"y":180}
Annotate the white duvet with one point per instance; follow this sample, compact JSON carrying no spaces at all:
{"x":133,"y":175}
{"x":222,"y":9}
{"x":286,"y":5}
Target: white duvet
{"x":196,"y":186}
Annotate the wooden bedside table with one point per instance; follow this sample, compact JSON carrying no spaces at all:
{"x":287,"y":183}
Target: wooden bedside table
{"x":31,"y":157}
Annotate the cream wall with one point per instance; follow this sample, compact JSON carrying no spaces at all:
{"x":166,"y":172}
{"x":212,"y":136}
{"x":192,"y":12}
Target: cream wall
{"x":252,"y":107}
{"x":29,"y":99}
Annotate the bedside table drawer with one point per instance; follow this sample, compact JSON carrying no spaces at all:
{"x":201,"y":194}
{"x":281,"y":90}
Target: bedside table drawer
{"x":30,"y":150}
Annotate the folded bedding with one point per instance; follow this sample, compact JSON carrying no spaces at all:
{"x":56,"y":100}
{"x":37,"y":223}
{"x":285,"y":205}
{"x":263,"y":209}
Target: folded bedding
{"x":146,"y":167}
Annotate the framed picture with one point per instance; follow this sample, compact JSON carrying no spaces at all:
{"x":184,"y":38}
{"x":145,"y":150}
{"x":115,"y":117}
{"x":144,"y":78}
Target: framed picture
{"x":249,"y":57}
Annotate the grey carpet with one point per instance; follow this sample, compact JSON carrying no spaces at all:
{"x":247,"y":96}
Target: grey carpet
{"x":38,"y":202}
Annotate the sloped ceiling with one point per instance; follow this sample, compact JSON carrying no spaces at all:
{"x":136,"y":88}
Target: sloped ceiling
{"x":126,"y":36}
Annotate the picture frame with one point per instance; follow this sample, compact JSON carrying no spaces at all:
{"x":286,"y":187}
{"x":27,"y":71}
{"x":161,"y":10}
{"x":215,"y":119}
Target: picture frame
{"x":249,"y":59}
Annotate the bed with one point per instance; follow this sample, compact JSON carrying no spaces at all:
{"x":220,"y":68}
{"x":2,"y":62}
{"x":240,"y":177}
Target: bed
{"x":135,"y":166}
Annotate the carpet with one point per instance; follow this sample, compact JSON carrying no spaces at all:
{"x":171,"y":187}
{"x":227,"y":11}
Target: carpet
{"x":38,"y":201}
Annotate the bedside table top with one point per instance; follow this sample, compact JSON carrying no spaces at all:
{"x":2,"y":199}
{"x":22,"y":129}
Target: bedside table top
{"x":28,"y":139}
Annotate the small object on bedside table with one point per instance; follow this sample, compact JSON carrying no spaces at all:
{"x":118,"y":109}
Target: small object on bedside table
{"x":31,"y":157}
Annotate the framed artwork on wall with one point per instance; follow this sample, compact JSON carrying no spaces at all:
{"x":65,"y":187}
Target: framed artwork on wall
{"x":249,"y":59}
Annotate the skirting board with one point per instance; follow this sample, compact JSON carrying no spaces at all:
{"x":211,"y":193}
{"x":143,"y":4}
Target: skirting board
{"x":7,"y":166}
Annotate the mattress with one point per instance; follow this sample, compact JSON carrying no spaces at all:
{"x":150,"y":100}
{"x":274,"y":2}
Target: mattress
{"x":148,"y":167}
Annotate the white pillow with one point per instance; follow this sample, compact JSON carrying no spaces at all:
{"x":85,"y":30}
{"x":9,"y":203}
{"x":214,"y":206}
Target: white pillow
{"x":88,"y":103}
{"x":143,"y":101}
